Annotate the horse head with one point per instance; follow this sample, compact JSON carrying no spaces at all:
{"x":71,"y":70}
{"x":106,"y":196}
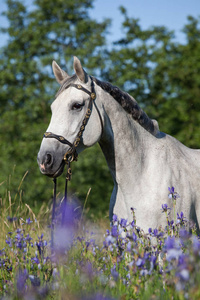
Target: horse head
{"x":75,"y":123}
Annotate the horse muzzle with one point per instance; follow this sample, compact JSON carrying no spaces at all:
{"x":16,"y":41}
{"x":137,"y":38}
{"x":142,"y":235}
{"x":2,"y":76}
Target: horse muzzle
{"x":48,"y":166}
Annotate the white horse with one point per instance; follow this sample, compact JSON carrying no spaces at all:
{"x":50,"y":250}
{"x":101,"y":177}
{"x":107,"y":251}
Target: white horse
{"x":143,"y":161}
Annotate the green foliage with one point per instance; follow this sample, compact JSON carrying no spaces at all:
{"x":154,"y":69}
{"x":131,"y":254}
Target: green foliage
{"x":122,"y":262}
{"x":161,"y":74}
{"x":36,"y":37}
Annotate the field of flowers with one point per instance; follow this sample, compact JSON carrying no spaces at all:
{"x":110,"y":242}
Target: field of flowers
{"x":74,"y":263}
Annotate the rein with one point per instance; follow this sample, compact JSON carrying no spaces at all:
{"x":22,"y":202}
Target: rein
{"x":71,"y":155}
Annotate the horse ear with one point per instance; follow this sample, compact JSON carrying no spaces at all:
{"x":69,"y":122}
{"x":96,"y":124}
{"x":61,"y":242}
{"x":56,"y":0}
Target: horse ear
{"x":81,"y":74}
{"x":59,"y":73}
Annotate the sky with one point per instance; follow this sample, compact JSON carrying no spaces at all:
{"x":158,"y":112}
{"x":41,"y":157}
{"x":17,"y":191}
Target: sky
{"x":170,"y":13}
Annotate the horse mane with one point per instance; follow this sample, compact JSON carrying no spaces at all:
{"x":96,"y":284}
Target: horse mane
{"x":130,"y":105}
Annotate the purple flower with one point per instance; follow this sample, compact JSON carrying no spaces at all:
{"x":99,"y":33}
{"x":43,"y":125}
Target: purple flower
{"x":153,"y":260}
{"x":165,"y":208}
{"x":71,"y":213}
{"x":183,"y":275}
{"x":115,"y":218}
{"x":129,"y":247}
{"x":109,"y":240}
{"x":28,"y":221}
{"x":172,"y":248}
{"x":9,"y":242}
{"x":171,"y":223}
{"x":196,"y":245}
{"x":140,"y":262}
{"x":172,"y":194}
{"x":174,"y":253}
{"x":123,"y":222}
{"x":155,"y":232}
{"x":64,"y":234}
{"x":35,"y":260}
{"x":169,"y":242}
{"x":89,"y":271}
{"x":114,"y":273}
{"x":132,"y":223}
{"x":21,"y":281}
{"x":2,"y":252}
{"x":134,"y":236}
{"x":184,"y":234}
{"x":114,"y":231}
{"x":181,"y":219}
{"x":11,"y":219}
{"x":28,"y":238}
{"x":35,"y":281}
{"x":107,"y":231}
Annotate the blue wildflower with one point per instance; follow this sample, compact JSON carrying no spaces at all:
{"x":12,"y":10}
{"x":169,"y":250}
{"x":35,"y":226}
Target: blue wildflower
{"x":181,"y":219}
{"x":183,"y":275}
{"x":172,"y":194}
{"x":28,"y":221}
{"x":172,"y":248}
{"x":35,"y":260}
{"x":9,"y":242}
{"x":110,"y":240}
{"x":134,"y":236}
{"x":115,"y":218}
{"x":184,"y":234}
{"x":11,"y":219}
{"x":123,"y":222}
{"x":22,"y":277}
{"x":140,"y":262}
{"x":114,"y":231}
{"x":196,"y":244}
{"x":165,"y":208}
{"x":114,"y":273}
{"x":129,"y":247}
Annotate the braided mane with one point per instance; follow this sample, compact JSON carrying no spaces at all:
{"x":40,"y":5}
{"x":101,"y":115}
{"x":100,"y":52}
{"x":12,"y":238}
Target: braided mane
{"x":130,"y":105}
{"x":127,"y":102}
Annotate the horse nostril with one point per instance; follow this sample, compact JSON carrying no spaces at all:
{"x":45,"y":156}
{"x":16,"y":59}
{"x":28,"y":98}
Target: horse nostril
{"x":48,"y":159}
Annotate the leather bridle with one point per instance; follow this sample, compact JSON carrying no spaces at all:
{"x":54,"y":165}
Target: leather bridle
{"x":71,"y":154}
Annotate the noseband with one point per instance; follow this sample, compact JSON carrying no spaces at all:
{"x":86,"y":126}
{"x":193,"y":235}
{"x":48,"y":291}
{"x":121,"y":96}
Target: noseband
{"x":71,"y":154}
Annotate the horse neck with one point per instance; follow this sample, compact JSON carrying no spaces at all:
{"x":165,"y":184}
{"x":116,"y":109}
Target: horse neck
{"x":124,"y":142}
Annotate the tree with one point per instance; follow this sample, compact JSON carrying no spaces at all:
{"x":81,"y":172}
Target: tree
{"x":161,"y":74}
{"x":36,"y":37}
{"x":178,"y":71}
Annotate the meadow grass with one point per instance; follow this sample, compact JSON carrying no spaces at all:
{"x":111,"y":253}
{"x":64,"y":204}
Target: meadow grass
{"x":123,"y":262}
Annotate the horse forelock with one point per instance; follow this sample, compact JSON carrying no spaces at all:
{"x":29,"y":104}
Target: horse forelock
{"x":65,"y":84}
{"x":130,"y":105}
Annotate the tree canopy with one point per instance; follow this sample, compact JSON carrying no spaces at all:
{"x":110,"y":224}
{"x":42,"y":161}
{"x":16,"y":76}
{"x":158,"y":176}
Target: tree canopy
{"x":160,"y":73}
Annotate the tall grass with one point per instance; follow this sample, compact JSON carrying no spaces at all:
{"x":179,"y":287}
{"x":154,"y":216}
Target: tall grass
{"x":121,"y":263}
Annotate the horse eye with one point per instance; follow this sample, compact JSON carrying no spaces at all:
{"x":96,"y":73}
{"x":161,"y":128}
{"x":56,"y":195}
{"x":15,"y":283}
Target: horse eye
{"x":77,"y":106}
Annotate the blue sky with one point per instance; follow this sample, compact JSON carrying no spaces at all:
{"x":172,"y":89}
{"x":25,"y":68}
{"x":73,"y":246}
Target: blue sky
{"x":170,"y":13}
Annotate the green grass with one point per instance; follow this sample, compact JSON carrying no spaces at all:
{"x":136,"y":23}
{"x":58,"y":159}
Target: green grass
{"x":117,"y":263}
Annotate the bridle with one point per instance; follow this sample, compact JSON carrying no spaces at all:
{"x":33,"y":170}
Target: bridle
{"x":72,"y":155}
